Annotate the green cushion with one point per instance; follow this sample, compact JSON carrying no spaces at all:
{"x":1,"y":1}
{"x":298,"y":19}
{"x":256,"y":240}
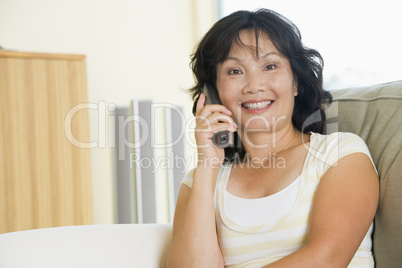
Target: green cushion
{"x":375,"y":114}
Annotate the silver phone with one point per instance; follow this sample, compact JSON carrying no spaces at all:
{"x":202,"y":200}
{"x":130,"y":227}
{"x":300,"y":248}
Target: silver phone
{"x":224,"y":138}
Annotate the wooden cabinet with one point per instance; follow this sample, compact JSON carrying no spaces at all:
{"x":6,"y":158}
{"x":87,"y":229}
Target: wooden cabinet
{"x":45,"y":180}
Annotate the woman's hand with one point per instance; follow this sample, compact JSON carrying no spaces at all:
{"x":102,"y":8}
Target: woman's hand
{"x":211,"y":119}
{"x":195,"y":241}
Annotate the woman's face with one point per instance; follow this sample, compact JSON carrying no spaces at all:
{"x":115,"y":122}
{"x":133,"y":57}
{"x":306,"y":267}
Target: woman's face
{"x":258,"y":89}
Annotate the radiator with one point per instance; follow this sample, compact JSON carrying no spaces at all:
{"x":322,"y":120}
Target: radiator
{"x":151,"y":160}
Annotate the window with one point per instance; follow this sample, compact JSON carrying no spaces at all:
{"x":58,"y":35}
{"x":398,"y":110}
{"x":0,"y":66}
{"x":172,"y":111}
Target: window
{"x":360,"y":41}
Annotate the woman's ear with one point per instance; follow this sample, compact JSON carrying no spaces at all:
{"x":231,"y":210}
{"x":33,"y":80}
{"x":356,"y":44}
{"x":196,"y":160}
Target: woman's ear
{"x":295,"y":85}
{"x":295,"y":89}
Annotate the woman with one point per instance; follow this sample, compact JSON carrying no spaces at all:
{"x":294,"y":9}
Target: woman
{"x":286,"y":195}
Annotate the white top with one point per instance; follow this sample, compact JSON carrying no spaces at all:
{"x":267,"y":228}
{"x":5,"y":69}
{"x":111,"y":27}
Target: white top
{"x":248,"y":211}
{"x":249,"y":244}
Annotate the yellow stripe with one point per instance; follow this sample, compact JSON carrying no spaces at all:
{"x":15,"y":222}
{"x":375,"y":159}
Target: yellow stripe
{"x":369,"y":262}
{"x":255,"y":263}
{"x":265,"y":246}
{"x":225,"y":232}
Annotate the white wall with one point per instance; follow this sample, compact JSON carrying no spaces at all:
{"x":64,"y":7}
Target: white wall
{"x":135,"y":49}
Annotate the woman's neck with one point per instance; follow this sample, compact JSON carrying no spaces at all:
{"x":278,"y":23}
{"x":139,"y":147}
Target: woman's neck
{"x":264,"y":145}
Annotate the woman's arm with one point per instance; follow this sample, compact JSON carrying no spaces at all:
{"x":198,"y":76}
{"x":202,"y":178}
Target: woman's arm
{"x":195,"y":242}
{"x":343,"y":210}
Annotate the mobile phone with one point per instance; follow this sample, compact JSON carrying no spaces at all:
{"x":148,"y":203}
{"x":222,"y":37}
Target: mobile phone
{"x":224,"y":138}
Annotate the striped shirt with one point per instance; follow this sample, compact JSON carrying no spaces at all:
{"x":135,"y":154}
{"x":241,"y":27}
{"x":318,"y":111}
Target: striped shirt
{"x":259,"y":245}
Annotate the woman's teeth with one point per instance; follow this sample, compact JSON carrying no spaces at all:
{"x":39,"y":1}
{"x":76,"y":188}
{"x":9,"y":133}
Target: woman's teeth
{"x":256,"y":105}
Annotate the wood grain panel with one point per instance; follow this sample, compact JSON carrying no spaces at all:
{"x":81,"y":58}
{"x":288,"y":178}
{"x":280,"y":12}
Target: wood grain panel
{"x":45,"y":181}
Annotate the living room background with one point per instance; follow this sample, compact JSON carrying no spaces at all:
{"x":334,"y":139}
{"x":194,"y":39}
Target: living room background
{"x":141,"y":49}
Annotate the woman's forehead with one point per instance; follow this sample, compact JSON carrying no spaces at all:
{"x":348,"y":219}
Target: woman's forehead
{"x":250,"y":42}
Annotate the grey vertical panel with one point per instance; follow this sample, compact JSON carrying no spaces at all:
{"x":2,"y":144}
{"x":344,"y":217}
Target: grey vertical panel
{"x":144,"y":165}
{"x":124,"y":172}
{"x":175,"y":128}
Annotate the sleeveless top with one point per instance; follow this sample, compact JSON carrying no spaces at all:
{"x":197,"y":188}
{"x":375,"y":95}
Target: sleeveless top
{"x":261,"y":244}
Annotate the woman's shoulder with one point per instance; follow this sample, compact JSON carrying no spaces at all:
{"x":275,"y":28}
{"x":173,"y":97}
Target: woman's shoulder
{"x":334,"y":146}
{"x":188,"y":177}
{"x":337,"y":136}
{"x":337,"y":140}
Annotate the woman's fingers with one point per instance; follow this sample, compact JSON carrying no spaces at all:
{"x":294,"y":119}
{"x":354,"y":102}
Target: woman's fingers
{"x":217,"y":120}
{"x":200,"y":104}
{"x":222,"y":126}
{"x":214,"y":108}
{"x":212,"y":113}
{"x":211,"y":119}
{"x":214,"y":123}
{"x":204,"y":110}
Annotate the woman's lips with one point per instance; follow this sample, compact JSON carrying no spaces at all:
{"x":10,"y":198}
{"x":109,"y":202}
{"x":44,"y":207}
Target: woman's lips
{"x":256,"y":105}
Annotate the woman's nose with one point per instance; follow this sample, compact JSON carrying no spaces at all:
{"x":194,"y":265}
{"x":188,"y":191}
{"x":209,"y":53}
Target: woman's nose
{"x":255,"y":83}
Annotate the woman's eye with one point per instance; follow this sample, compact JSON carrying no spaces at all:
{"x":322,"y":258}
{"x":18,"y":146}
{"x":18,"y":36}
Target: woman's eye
{"x":234,"y":72}
{"x":270,"y":67}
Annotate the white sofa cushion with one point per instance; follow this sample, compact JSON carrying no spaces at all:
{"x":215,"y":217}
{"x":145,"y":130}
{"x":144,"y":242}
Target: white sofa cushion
{"x":115,"y":245}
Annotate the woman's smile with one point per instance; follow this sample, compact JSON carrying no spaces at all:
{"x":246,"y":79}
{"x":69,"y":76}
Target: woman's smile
{"x":256,"y":106}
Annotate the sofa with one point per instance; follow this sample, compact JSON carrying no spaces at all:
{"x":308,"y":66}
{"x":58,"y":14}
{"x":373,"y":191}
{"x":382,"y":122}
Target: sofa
{"x":373,"y":112}
{"x":87,"y":246}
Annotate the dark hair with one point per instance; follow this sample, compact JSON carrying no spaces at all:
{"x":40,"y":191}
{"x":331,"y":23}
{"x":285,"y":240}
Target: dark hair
{"x":306,"y":64}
